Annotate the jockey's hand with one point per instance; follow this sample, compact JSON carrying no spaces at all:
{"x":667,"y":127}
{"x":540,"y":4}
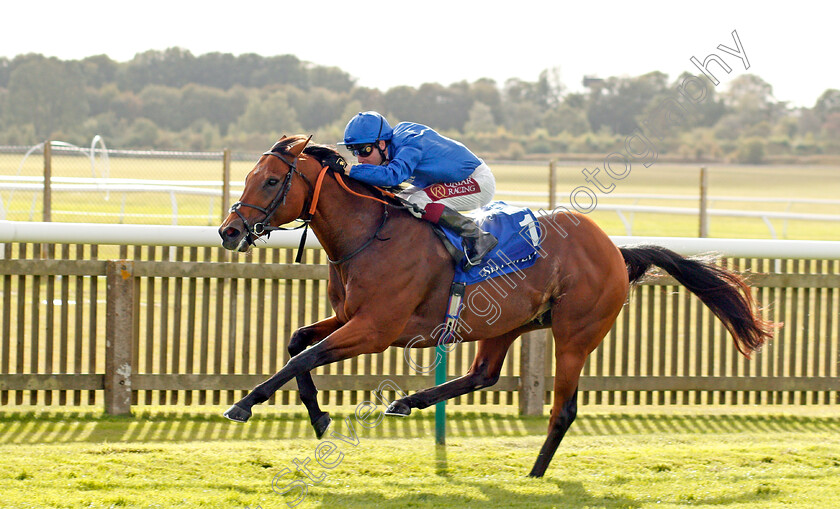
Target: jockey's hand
{"x":412,"y":208}
{"x":336,"y":163}
{"x":415,"y":210}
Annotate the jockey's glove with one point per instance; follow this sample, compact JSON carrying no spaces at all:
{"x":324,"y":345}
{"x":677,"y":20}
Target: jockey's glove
{"x":414,"y":209}
{"x":336,"y":163}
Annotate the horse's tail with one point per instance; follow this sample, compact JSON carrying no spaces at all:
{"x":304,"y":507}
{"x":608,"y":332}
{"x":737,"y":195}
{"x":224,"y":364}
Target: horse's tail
{"x":724,"y":292}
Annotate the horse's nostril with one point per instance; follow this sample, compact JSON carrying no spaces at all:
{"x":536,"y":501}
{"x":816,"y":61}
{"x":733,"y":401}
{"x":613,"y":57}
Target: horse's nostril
{"x":231,"y":232}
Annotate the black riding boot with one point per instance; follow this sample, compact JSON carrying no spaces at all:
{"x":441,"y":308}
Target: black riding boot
{"x":477,"y":242}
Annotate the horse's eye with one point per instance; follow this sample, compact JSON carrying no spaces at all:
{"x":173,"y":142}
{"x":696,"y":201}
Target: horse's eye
{"x":272,"y":181}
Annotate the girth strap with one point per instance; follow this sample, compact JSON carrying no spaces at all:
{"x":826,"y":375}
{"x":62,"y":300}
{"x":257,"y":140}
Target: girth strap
{"x":453,"y":313}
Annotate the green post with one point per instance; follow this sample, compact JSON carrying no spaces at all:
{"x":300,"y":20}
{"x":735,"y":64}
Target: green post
{"x":440,"y":408}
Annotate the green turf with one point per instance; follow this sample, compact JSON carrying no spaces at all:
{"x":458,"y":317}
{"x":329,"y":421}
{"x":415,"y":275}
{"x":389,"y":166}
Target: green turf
{"x":747,"y":457}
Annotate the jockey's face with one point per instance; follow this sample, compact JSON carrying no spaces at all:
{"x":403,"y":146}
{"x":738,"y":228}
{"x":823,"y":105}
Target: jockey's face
{"x":374,"y":157}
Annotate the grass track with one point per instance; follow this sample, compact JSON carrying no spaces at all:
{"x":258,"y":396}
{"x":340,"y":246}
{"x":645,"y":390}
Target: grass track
{"x":682,"y":458}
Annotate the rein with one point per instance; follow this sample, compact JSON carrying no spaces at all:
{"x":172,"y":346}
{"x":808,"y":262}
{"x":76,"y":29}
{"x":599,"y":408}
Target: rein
{"x":264,"y":228}
{"x":341,"y":182}
{"x":384,"y":192}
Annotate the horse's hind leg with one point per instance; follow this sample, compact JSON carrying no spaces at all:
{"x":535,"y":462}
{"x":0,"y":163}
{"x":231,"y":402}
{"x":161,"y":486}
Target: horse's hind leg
{"x":577,"y":331}
{"x":302,"y":338}
{"x":484,"y":372}
{"x":564,"y":411}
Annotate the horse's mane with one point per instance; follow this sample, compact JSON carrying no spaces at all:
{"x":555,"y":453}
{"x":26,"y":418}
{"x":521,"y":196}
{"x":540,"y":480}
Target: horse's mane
{"x":319,"y":152}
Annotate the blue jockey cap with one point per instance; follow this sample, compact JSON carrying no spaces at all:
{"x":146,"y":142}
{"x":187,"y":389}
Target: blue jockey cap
{"x":366,"y":127}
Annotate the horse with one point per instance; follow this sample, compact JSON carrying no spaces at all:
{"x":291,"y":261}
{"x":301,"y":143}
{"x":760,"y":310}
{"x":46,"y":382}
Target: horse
{"x":390,"y":274}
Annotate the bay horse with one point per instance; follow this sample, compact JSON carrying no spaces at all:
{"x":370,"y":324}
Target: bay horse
{"x":389,"y":279}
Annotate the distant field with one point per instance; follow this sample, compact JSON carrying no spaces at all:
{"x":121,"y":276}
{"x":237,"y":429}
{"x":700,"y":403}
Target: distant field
{"x":670,"y":179}
{"x":733,"y":458}
{"x":812,"y":182}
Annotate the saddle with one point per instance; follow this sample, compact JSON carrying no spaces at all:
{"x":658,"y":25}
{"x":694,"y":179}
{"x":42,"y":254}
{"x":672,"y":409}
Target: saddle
{"x":519,"y":236}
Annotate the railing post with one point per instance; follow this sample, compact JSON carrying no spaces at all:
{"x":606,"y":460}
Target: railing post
{"x":532,"y":373}
{"x":119,"y":332}
{"x":47,"y":181}
{"x":225,"y":183}
{"x":552,"y":185}
{"x":704,"y":212}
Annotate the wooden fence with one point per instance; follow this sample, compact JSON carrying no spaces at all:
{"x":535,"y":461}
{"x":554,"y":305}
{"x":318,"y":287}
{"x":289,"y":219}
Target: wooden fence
{"x":139,"y":325}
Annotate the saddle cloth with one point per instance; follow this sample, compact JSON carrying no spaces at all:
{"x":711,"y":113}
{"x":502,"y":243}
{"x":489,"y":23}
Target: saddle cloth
{"x":519,"y":236}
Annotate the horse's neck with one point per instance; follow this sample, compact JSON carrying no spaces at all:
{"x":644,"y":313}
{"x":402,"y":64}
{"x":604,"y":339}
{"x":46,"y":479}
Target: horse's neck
{"x":343,"y":222}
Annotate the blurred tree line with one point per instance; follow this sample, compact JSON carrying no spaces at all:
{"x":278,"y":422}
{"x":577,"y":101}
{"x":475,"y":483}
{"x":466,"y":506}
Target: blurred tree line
{"x":174,"y":100}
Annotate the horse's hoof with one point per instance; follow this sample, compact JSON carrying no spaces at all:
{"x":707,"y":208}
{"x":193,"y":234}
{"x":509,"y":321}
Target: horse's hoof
{"x":398,"y":408}
{"x":237,"y":414}
{"x":321,"y":425}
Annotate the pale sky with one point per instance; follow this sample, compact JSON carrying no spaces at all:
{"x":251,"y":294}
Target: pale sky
{"x":791,"y":45}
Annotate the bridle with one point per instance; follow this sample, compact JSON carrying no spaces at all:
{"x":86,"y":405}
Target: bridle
{"x":259,"y":228}
{"x":263,"y":227}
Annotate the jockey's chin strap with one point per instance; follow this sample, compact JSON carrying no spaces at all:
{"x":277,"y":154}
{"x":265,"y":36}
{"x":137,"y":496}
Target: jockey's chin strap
{"x":382,"y":153}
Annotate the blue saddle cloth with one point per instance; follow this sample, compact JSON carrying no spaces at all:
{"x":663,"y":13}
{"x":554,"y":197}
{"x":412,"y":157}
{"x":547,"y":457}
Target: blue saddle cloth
{"x":519,"y":236}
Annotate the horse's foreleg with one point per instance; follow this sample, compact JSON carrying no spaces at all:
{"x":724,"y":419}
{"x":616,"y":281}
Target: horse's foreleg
{"x":301,"y":339}
{"x":354,"y":338}
{"x":484,"y":372}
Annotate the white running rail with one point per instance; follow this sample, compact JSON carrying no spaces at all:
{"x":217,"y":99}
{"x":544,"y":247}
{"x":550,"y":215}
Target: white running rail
{"x":208,"y":236}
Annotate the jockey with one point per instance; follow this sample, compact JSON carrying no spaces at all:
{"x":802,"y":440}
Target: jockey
{"x":444,"y":175}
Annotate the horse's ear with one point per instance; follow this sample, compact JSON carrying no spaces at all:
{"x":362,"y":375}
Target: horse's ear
{"x":298,"y":147}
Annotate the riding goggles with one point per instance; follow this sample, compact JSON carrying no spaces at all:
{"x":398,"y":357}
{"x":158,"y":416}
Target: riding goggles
{"x":363,"y":150}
